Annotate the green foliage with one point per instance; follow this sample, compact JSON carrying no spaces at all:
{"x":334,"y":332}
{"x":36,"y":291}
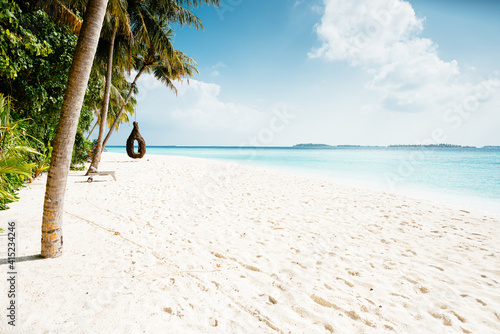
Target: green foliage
{"x":16,"y":41}
{"x":14,"y":151}
{"x":82,"y":150}
{"x":42,"y":161}
{"x":37,"y":72}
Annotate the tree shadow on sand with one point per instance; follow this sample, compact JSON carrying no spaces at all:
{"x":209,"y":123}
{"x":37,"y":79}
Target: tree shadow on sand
{"x":23,"y":258}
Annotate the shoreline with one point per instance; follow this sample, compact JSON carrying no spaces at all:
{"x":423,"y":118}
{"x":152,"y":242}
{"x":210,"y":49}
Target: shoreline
{"x":197,"y":245}
{"x":436,"y":195}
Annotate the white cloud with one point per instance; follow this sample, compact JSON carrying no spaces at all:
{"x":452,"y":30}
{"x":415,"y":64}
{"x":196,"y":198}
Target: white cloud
{"x":215,"y":69}
{"x":315,"y":6}
{"x":199,"y":115}
{"x":363,"y":30}
{"x":383,"y":38}
{"x":200,"y":105}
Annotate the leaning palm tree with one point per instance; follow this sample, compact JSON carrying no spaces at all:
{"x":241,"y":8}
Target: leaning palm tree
{"x":163,"y":69}
{"x":52,"y":239}
{"x":149,"y":22}
{"x":116,"y":21}
{"x":93,"y":128}
{"x":119,"y":90}
{"x":119,"y":85}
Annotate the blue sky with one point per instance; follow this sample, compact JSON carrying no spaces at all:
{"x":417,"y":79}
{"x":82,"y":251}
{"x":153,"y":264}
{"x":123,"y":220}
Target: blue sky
{"x":366,"y":72}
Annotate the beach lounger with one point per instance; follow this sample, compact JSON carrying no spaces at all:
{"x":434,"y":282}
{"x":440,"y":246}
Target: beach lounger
{"x":97,"y":173}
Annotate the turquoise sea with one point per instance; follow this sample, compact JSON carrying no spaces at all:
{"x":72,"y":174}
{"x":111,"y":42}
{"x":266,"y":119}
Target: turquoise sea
{"x":469,"y":177}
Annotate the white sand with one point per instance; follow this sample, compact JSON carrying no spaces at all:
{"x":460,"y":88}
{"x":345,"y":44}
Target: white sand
{"x":210,"y":247}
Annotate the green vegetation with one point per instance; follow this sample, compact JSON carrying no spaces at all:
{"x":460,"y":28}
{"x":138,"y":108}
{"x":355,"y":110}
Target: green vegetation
{"x":14,"y":155}
{"x":430,"y":146}
{"x":35,"y":57}
{"x":139,"y":35}
{"x":36,"y":72}
{"x":37,"y":49}
{"x":310,"y":145}
{"x":16,"y":41}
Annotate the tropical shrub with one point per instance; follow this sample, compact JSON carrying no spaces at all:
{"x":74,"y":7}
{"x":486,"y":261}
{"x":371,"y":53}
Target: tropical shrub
{"x":35,"y":58}
{"x":14,"y":151}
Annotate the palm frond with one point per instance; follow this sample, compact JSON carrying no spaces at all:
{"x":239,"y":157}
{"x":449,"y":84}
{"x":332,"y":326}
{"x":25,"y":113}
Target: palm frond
{"x":172,"y":13}
{"x":61,"y":14}
{"x":186,"y":3}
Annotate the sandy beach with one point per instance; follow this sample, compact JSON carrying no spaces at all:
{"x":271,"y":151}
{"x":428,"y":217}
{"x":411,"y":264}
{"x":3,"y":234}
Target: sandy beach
{"x":185,"y":245}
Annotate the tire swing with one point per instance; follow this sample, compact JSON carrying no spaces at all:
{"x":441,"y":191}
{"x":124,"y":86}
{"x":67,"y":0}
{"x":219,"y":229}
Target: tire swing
{"x":136,"y":135}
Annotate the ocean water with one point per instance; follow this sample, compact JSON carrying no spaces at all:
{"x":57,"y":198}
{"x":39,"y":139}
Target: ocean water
{"x":463,"y":176}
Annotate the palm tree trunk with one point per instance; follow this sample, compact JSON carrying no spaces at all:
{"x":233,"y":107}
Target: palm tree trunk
{"x":104,"y":112}
{"x":93,"y":128}
{"x":113,"y":126}
{"x":53,"y":208}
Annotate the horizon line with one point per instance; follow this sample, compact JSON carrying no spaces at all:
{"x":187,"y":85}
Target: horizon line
{"x":325,"y":146}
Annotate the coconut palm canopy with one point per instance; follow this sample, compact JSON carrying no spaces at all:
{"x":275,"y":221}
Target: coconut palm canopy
{"x":145,"y":26}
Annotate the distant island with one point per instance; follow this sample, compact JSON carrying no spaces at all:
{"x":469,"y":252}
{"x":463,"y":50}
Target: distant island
{"x":445,"y":146}
{"x":325,"y":146}
{"x":311,"y":146}
{"x":433,"y":146}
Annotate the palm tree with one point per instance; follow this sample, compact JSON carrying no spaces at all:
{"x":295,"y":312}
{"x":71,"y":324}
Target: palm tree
{"x":116,"y":18}
{"x":119,"y":90}
{"x":52,"y":238}
{"x":150,"y":29}
{"x":93,"y":128}
{"x":164,"y":70}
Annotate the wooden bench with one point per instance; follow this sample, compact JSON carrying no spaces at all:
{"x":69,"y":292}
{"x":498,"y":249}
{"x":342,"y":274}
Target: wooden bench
{"x":103,"y":173}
